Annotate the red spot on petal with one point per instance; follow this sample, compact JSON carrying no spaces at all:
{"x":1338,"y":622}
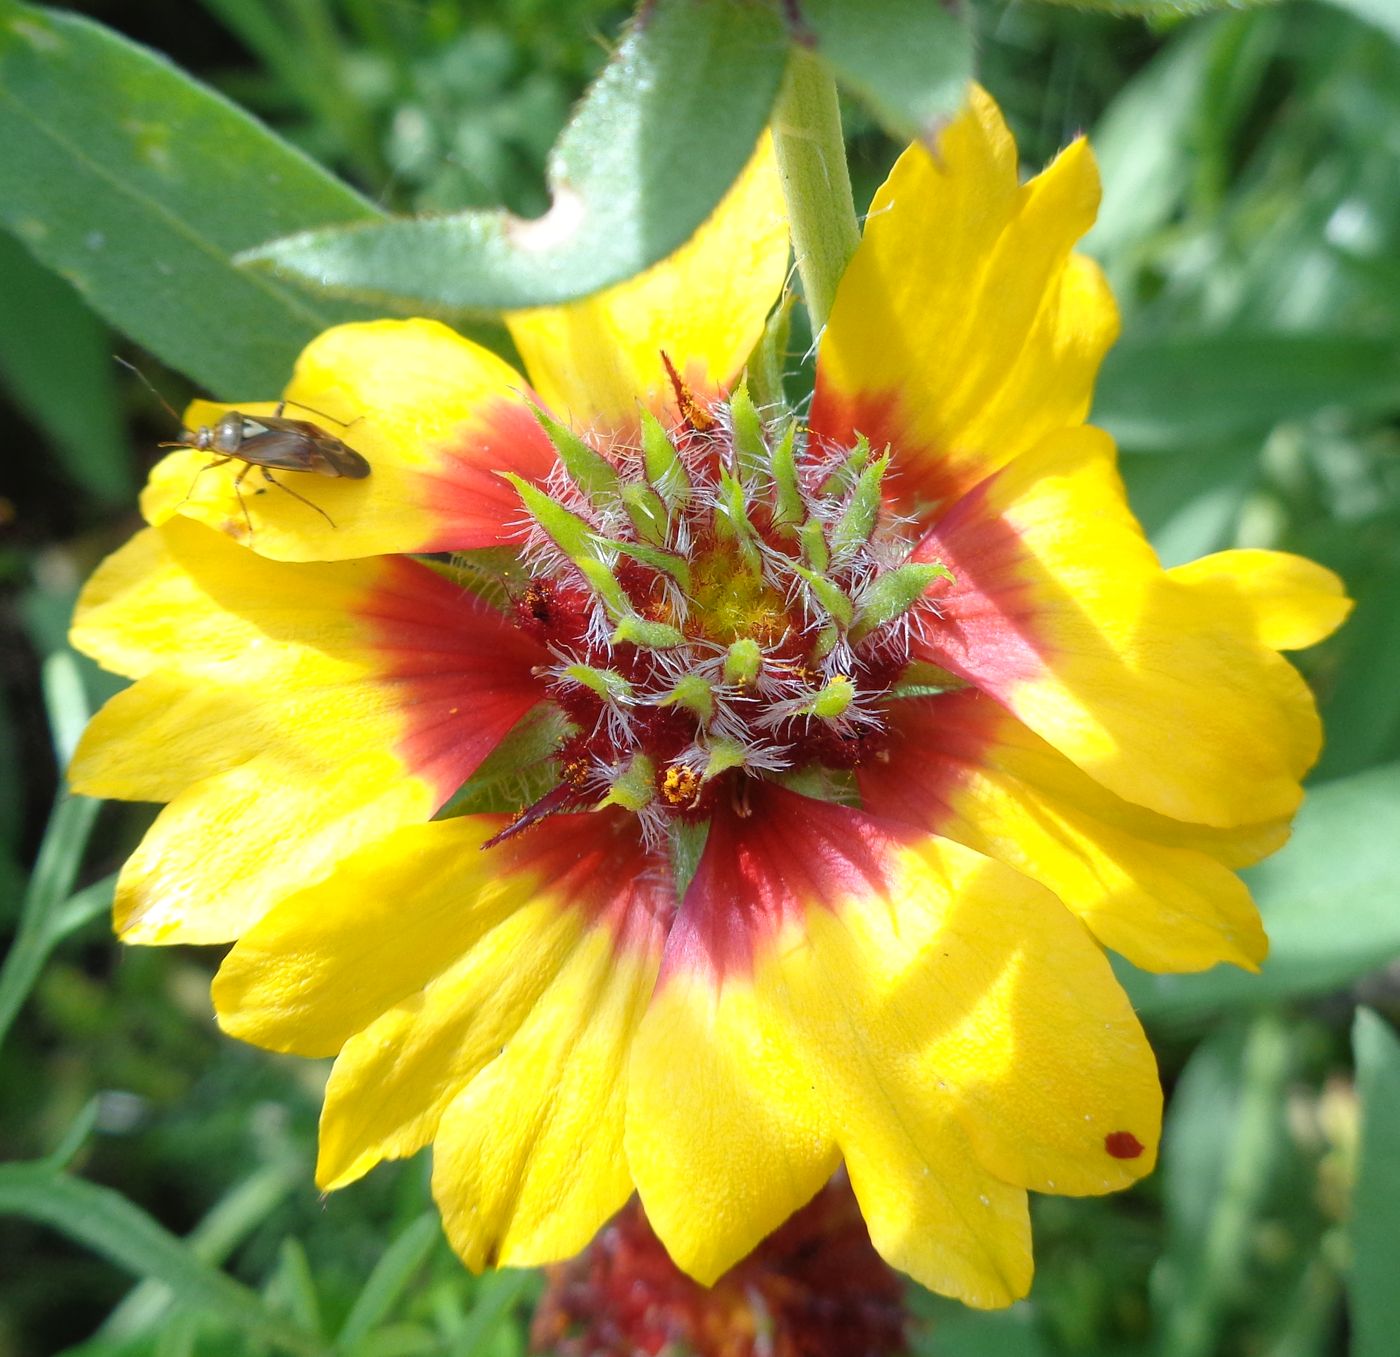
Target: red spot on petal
{"x":1122,"y":1144}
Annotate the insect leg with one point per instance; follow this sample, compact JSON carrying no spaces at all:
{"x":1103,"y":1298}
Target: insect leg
{"x":320,"y":414}
{"x":218,"y":461}
{"x":267,"y":476}
{"x":242,"y":503}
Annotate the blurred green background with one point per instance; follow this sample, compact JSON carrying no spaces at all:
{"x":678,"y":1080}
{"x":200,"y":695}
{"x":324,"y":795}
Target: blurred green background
{"x":1251,"y":228}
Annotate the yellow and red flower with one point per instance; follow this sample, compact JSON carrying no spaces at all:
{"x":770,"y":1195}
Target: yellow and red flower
{"x":849,"y":744}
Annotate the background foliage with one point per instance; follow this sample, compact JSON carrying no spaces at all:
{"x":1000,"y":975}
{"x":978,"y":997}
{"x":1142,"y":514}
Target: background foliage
{"x":1251,"y":228}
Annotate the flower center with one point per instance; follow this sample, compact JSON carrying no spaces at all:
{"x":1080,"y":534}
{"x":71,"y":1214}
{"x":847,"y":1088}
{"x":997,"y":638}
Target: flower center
{"x":727,"y":599}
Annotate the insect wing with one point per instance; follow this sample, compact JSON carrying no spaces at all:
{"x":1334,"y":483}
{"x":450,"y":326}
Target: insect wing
{"x":322,"y":452}
{"x":279,"y":449}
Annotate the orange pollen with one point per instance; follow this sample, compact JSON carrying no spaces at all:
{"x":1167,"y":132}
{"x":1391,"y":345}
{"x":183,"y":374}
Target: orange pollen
{"x":680,"y":784}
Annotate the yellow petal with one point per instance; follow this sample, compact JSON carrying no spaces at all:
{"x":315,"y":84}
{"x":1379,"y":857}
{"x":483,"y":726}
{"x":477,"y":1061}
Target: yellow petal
{"x":1059,"y":610}
{"x":958,"y":1027}
{"x":972,"y":983}
{"x":597,"y":361}
{"x":1154,"y":889}
{"x":964,"y":331}
{"x":435,"y":415}
{"x":529,"y":1161}
{"x":227,"y":849}
{"x":331,"y":958}
{"x":724,"y":1136}
{"x":142,"y":609}
{"x":392,"y":1081}
{"x":288,"y":712}
{"x":932,"y":1210}
{"x":426,"y":956}
{"x":1295,"y":602}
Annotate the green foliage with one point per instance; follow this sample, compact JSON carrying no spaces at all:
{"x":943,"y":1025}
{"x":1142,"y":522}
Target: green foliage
{"x":105,"y":1221}
{"x":55,"y":358}
{"x":910,"y":62}
{"x":1328,"y":899}
{"x":1161,"y":10}
{"x":1375,"y":1223}
{"x":139,"y":185}
{"x":647,"y":155}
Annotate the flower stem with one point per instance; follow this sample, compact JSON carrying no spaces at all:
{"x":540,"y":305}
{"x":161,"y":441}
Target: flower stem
{"x":816,"y":183}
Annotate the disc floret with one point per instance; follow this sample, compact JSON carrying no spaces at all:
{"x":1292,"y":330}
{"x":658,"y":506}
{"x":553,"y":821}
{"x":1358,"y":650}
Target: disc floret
{"x":728,"y":598}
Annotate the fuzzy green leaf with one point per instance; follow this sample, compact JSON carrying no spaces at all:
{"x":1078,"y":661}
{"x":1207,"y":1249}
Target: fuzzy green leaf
{"x":637,"y":631}
{"x":744,"y":660}
{"x":664,"y":561}
{"x":749,"y":443}
{"x":831,"y":597}
{"x":910,"y":61}
{"x":857,"y":522}
{"x":650,"y":151}
{"x":594,"y":475}
{"x":607,"y":683}
{"x":788,"y":507}
{"x":665,"y":470}
{"x":139,"y":185}
{"x":892,"y":594}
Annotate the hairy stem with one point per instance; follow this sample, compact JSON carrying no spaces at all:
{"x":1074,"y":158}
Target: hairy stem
{"x":816,"y":183}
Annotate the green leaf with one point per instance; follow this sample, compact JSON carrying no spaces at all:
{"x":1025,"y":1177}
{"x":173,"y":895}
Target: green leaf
{"x":1162,"y":9}
{"x":110,"y":1225}
{"x":43,"y":916}
{"x":1375,"y":1203}
{"x":56,"y":361}
{"x":293,"y":1286}
{"x":1223,"y":1135}
{"x":233,"y":1218}
{"x":1362,"y":716}
{"x":518,"y":771}
{"x":139,"y":185}
{"x":910,"y":61}
{"x":75,"y":1135}
{"x":1145,"y":146}
{"x":1328,"y":901}
{"x":1384,"y":14}
{"x":496,"y":1296}
{"x":650,"y":151}
{"x":394,"y":1271}
{"x":959,"y":1332}
{"x":1156,"y":395}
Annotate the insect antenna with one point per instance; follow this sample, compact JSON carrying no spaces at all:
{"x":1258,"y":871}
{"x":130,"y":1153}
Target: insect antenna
{"x":146,"y":382}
